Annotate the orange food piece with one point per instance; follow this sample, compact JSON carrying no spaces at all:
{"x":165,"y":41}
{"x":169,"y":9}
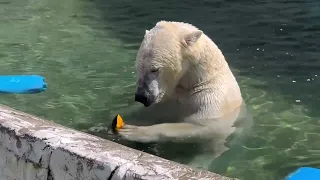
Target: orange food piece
{"x":120,"y":122}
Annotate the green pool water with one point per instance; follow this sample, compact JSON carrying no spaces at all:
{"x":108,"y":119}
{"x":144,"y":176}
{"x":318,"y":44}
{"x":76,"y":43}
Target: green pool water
{"x":86,"y":50}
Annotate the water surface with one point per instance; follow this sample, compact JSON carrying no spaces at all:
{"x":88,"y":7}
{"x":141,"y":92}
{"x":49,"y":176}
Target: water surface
{"x":86,"y":50}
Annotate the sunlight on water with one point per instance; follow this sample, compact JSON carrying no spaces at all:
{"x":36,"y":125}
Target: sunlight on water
{"x":86,"y":50}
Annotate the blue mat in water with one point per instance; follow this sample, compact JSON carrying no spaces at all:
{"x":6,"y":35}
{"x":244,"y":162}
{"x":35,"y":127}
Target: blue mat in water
{"x":305,"y":173}
{"x":22,"y":84}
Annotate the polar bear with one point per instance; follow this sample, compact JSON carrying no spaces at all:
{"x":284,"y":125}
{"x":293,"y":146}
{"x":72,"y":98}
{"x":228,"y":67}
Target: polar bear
{"x":177,"y":62}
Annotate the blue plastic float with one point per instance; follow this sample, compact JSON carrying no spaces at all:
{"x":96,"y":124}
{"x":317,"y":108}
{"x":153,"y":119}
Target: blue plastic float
{"x":22,"y":84}
{"x":304,"y":173}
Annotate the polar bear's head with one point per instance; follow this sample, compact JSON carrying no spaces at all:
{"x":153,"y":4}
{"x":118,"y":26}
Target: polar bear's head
{"x":163,"y":59}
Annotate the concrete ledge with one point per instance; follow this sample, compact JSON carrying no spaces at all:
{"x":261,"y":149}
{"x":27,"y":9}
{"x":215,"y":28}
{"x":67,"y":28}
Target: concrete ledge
{"x":35,"y":149}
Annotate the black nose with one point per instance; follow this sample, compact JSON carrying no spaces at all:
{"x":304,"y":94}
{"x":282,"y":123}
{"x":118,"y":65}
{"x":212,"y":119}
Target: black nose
{"x":142,"y":98}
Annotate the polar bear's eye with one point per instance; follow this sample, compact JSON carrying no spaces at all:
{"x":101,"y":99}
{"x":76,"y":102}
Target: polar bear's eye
{"x":154,"y":70}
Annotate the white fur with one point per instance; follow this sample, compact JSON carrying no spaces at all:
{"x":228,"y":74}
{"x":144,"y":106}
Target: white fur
{"x":194,"y":72}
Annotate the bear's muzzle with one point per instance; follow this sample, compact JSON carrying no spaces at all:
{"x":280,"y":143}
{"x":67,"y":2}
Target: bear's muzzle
{"x":142,"y":97}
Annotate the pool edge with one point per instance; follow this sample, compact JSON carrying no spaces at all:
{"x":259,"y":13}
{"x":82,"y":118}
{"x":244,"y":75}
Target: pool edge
{"x":34,"y":148}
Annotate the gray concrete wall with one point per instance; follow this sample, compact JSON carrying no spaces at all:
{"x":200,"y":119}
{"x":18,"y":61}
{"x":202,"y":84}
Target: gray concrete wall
{"x":35,"y":149}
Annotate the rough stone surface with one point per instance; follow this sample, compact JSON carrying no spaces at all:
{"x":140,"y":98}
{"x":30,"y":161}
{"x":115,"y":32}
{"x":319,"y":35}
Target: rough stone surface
{"x":35,"y":149}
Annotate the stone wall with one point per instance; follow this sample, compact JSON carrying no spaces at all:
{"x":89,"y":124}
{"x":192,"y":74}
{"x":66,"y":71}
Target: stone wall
{"x":35,"y":149}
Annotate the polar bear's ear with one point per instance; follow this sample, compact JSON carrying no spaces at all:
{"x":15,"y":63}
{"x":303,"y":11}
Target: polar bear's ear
{"x":191,"y":38}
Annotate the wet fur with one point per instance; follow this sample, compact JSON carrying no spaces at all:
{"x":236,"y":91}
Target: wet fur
{"x":199,"y":96}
